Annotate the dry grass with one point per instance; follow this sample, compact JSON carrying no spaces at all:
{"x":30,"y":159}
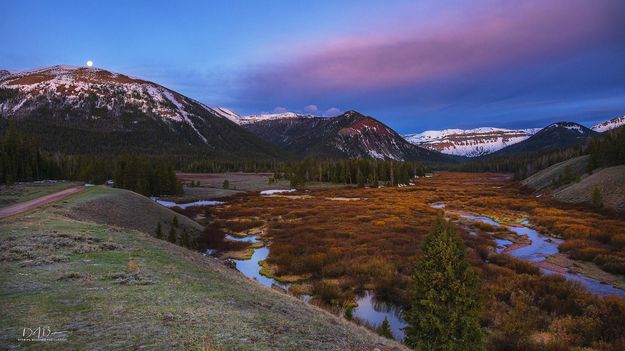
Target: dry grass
{"x":348,"y":246}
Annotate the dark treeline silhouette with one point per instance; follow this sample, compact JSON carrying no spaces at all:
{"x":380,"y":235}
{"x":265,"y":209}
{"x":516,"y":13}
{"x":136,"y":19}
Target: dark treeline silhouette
{"x":522,"y":165}
{"x":145,"y":175}
{"x":22,"y":160}
{"x":609,"y":150}
{"x":234,"y":165}
{"x":353,"y":171}
{"x":360,"y":172}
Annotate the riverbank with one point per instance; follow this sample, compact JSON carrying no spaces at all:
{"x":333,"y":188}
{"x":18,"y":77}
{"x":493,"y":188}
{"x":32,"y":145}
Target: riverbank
{"x":542,"y":251}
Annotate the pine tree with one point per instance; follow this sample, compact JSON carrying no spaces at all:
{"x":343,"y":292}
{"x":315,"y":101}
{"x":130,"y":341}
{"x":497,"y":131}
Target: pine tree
{"x":174,"y":222}
{"x":226,"y":184}
{"x":172,"y":235}
{"x":360,"y":179}
{"x":444,"y":315}
{"x":184,"y":241}
{"x":385,"y":329}
{"x":159,"y":231}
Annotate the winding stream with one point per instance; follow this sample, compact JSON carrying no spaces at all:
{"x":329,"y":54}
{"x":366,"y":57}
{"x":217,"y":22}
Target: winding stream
{"x":374,"y":312}
{"x":368,"y":308}
{"x":190,"y":204}
{"x":539,"y":249}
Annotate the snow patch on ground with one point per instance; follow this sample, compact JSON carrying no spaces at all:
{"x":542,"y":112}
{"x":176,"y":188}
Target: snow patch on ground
{"x":276,"y":191}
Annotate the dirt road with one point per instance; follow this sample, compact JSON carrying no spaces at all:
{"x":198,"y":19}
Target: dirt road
{"x":29,"y":205}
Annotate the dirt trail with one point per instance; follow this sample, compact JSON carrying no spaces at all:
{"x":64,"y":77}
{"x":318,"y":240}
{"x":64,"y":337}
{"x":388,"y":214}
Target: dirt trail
{"x":29,"y":205}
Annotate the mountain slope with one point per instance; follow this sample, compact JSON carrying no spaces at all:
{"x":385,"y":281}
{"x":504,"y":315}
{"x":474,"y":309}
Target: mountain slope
{"x":555,"y":136}
{"x":73,"y":110}
{"x":350,"y":135}
{"x":610,"y":182}
{"x":609,"y":125}
{"x":470,"y":142}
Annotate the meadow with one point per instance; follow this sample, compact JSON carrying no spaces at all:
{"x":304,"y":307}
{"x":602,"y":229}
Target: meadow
{"x":336,"y":243}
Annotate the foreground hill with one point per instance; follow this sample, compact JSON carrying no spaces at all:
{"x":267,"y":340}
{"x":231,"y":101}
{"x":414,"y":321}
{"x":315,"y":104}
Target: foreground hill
{"x":579,"y":186}
{"x":99,"y":286}
{"x":609,"y":181}
{"x":555,"y":136}
{"x":350,"y":135}
{"x":79,"y":110}
{"x":470,"y":142}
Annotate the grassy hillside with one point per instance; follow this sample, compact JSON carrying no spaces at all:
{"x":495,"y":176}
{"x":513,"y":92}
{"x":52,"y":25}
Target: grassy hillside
{"x":610,"y":182}
{"x":123,"y":208}
{"x":546,"y":177}
{"x":107,"y":287}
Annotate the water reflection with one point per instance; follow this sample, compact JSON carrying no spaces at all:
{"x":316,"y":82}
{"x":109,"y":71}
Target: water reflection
{"x":374,"y":312}
{"x":190,"y":204}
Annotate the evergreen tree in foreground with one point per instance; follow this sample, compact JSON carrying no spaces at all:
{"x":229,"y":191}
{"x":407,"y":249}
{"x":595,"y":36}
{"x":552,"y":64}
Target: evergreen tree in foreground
{"x":184,"y":241}
{"x":159,"y":231}
{"x":172,"y":235}
{"x":174,"y":222}
{"x":445,"y":301}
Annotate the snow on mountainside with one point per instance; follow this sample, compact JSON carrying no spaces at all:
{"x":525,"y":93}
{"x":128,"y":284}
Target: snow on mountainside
{"x":271,"y":116}
{"x":226,"y":113}
{"x":555,"y":136}
{"x":95,"y":109}
{"x":74,"y":85}
{"x":470,"y":142}
{"x":350,"y":135}
{"x":611,"y":124}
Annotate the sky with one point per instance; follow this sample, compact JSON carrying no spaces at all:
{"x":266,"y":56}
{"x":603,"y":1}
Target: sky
{"x":415,"y":65}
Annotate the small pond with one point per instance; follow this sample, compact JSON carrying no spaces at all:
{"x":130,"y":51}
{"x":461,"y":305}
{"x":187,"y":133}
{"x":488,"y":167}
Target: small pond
{"x":374,"y":312}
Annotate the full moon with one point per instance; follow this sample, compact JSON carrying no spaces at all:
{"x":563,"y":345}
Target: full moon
{"x":89,"y":63}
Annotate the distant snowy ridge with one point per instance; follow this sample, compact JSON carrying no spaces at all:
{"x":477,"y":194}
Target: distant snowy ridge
{"x":469,"y":142}
{"x":238,"y":119}
{"x":608,"y":125}
{"x":271,"y":116}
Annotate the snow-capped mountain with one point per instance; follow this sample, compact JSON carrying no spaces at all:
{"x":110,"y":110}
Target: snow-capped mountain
{"x":350,"y":135}
{"x":271,"y":116}
{"x":248,"y":119}
{"x":469,"y":142}
{"x":555,"y":136}
{"x":608,"y":125}
{"x":97,"y":110}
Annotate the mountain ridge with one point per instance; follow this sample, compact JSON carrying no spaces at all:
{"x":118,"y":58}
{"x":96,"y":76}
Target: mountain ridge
{"x":349,"y":135}
{"x":555,"y":136}
{"x":469,"y":142}
{"x":95,"y":110}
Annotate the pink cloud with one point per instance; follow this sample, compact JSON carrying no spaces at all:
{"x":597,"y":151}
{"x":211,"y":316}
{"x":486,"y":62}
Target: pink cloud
{"x":487,"y":37}
{"x":311,"y":109}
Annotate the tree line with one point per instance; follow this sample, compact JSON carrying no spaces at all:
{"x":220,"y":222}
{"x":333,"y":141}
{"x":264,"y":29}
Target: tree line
{"x":358,"y":172}
{"x":608,"y":150}
{"x":23,"y":160}
{"x":145,"y":175}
